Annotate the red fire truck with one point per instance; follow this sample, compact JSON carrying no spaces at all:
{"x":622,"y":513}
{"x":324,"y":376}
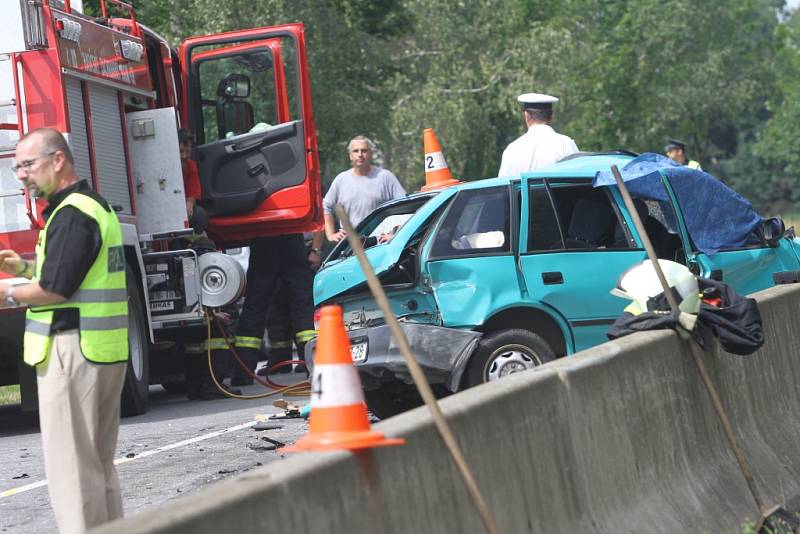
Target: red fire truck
{"x":119,"y":92}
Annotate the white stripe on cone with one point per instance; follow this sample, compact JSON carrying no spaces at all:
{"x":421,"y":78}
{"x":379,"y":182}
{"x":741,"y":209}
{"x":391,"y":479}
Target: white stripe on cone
{"x":434,"y":162}
{"x":335,"y":385}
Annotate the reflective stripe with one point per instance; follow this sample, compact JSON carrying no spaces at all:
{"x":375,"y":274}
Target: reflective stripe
{"x":248,"y":342}
{"x":334,"y":385}
{"x":280,"y":344}
{"x":216,"y":343}
{"x":104,"y":323}
{"x":304,"y":336}
{"x":99,"y":295}
{"x":37,"y":327}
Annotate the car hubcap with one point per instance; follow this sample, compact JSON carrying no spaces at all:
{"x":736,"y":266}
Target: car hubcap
{"x":508,"y":360}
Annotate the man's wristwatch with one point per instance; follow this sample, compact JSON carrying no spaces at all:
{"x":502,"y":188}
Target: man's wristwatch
{"x":11,"y":302}
{"x":317,"y":251}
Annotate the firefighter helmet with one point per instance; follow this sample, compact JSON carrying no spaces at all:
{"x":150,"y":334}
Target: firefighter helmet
{"x":640,"y":283}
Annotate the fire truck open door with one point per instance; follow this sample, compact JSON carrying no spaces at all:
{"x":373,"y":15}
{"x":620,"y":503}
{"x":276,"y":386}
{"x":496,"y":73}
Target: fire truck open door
{"x":248,"y":103}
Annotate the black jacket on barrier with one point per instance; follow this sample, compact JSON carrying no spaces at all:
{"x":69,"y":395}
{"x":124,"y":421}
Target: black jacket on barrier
{"x":736,"y":322}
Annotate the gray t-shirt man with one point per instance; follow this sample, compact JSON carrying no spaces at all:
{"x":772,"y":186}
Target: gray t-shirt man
{"x":359,"y":195}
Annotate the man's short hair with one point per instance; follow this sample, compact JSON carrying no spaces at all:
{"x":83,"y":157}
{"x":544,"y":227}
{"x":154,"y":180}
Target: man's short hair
{"x":185,"y":137}
{"x":53,"y":142}
{"x":370,"y":144}
{"x":675,"y":144}
{"x":540,"y":114}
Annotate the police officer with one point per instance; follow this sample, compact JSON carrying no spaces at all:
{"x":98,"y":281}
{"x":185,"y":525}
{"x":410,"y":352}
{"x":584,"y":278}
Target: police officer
{"x":274,"y":261}
{"x":76,"y":332}
{"x":541,"y":145}
{"x":676,"y":151}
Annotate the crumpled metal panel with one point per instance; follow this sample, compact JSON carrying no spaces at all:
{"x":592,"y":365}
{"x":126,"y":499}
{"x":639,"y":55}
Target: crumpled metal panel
{"x":442,"y":353}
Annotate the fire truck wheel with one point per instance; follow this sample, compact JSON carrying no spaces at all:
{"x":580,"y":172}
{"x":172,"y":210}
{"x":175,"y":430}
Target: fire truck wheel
{"x":137,"y":379}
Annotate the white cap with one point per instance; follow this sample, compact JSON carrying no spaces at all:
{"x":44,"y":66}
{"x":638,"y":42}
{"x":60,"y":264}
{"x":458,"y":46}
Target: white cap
{"x":536,"y":100}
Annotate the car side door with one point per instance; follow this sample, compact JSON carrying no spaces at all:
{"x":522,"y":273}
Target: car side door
{"x":574,"y":243}
{"x":469,"y":259}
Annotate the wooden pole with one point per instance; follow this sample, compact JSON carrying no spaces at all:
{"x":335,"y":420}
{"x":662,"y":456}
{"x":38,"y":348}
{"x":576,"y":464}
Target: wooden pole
{"x":716,"y":402}
{"x":417,"y":374}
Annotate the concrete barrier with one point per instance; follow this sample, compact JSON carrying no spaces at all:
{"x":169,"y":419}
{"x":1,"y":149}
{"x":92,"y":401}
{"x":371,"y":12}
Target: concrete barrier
{"x":619,"y":438}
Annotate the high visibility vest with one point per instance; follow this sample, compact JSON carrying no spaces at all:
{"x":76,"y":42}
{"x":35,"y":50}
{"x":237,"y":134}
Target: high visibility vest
{"x":692,"y":164}
{"x":101,"y":299}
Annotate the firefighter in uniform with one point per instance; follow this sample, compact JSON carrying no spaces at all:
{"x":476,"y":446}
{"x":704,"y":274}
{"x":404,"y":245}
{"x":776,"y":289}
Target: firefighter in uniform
{"x":676,"y":151}
{"x":285,"y":329}
{"x":76,"y":332}
{"x":274,"y":261}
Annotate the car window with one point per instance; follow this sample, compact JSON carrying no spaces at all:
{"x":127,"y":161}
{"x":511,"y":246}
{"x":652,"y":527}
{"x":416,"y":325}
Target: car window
{"x":543,"y":231}
{"x":477,"y":223}
{"x":384,"y":222}
{"x":584,"y":218}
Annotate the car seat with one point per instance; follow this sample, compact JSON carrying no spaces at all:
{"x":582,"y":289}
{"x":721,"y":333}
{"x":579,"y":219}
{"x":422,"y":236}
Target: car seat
{"x":592,"y":222}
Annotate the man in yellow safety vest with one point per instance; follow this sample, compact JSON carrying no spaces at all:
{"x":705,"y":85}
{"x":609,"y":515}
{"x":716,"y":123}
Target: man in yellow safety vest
{"x":76,"y":331}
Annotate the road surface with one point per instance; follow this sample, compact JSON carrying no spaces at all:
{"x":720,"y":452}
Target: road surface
{"x":176,"y":448}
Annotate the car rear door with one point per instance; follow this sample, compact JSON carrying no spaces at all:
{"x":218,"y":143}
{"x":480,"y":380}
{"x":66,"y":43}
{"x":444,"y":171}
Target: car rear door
{"x":247,"y":100}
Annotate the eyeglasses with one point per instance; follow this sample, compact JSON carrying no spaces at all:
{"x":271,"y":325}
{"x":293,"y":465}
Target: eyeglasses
{"x":26,"y":165}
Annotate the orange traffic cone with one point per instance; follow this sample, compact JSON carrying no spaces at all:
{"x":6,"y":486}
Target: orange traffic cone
{"x":338,"y":414}
{"x":437,"y":174}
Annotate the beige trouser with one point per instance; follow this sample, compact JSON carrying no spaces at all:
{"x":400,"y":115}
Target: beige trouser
{"x":79,"y":417}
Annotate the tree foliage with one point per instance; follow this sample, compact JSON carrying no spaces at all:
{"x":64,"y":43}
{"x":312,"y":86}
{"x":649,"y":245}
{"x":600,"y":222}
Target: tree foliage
{"x":720,"y":74}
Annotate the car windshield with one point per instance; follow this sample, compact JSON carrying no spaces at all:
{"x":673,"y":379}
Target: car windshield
{"x":380,"y":226}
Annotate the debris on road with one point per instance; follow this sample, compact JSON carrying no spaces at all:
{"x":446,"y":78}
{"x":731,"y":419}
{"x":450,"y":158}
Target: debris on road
{"x":262,"y":447}
{"x":275,"y":442}
{"x":263,"y":425}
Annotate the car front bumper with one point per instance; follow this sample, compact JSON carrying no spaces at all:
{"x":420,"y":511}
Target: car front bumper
{"x":441,"y":352}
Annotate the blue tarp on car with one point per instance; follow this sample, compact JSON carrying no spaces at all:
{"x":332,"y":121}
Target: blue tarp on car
{"x":716,"y":216}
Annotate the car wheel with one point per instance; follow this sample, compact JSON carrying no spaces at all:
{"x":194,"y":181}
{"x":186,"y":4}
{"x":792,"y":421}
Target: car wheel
{"x":506,"y":352}
{"x":137,"y":378}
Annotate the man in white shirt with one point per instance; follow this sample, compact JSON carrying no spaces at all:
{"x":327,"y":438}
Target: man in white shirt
{"x":359,"y":190}
{"x":540,"y":145}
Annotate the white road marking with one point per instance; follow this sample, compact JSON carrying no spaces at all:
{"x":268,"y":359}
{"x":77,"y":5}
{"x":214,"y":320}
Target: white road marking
{"x":119,"y":461}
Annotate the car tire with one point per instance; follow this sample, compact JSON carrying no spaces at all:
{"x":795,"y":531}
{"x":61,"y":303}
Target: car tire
{"x":137,"y":378}
{"x":505,"y":352}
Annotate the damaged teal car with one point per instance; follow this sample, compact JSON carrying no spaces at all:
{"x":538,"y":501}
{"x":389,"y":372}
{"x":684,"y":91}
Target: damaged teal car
{"x":497,"y":276}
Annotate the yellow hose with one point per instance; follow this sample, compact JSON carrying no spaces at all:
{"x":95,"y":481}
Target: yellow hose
{"x":301,"y":389}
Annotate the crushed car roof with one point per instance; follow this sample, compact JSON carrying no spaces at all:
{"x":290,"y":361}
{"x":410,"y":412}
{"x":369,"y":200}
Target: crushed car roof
{"x":716,"y":216}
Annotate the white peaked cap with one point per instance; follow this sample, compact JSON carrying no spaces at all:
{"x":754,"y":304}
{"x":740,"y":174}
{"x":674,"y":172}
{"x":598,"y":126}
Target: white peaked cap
{"x":536,"y":100}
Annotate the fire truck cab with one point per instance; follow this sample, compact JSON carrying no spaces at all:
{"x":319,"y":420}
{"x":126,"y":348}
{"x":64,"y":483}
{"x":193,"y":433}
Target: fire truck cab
{"x":119,"y":92}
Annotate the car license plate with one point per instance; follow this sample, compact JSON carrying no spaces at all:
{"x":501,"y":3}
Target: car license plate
{"x":359,"y":351}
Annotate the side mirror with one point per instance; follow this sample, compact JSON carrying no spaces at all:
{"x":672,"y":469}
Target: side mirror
{"x":234,"y":86}
{"x":772,"y":231}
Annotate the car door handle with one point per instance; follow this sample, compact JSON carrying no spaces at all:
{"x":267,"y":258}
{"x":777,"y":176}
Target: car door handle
{"x":554,"y":277}
{"x":236,"y":148}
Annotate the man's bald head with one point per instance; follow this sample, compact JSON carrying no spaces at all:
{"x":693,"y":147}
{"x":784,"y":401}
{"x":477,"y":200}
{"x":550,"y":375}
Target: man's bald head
{"x":52,"y":141}
{"x":44,"y":162}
